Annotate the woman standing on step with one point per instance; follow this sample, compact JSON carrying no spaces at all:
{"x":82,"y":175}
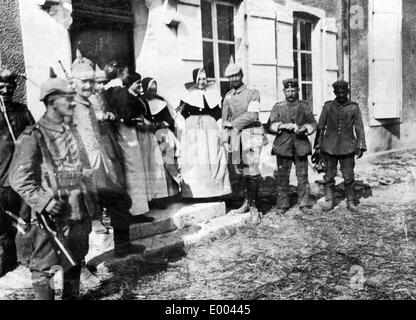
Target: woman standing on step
{"x":138,"y":114}
{"x":162,"y":115}
{"x":203,"y":158}
{"x":123,"y":105}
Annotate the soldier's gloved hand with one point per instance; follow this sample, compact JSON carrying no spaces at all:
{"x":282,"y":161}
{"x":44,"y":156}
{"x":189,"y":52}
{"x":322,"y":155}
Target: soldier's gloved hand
{"x":228,"y":125}
{"x":87,"y":172}
{"x":359,"y":153}
{"x":109,"y":116}
{"x":291,"y":127}
{"x":316,"y":156}
{"x":55,"y":208}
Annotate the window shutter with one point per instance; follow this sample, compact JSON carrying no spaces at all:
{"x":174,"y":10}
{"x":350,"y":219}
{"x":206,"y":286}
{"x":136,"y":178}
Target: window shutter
{"x":262,"y":57}
{"x":329,"y":57}
{"x":318,"y":72}
{"x":189,"y":32}
{"x":385,"y":51}
{"x":284,"y":27}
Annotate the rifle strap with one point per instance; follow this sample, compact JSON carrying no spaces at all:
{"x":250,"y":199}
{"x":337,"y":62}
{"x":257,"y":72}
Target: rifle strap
{"x":47,"y":160}
{"x":6,"y":118}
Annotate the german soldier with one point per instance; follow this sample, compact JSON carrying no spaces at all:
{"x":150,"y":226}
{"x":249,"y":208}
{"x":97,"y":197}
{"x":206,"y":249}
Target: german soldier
{"x":48,"y":171}
{"x":14,"y":117}
{"x":340,"y":138}
{"x":240,"y":117}
{"x":109,"y":191}
{"x":292,"y":121}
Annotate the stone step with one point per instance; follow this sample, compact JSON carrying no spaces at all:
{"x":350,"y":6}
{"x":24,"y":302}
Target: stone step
{"x":177,"y":216}
{"x":170,"y":244}
{"x":175,"y":242}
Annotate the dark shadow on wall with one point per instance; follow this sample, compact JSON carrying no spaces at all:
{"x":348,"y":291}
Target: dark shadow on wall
{"x":385,"y":137}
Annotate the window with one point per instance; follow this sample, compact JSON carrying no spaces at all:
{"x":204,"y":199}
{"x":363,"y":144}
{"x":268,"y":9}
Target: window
{"x":302,"y":56}
{"x":218,"y":42}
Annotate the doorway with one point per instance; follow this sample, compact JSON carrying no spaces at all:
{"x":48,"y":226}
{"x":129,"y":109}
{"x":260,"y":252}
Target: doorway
{"x":103,"y":31}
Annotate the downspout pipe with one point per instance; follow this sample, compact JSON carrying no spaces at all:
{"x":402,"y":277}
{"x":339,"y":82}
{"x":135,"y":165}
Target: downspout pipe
{"x":349,"y":43}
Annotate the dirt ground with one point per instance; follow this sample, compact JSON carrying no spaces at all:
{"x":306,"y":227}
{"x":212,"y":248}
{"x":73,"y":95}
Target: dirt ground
{"x":336,"y":255}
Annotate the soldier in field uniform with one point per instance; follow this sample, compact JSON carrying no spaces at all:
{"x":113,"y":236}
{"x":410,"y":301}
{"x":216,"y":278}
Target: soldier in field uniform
{"x":292,"y":121}
{"x":340,"y":138}
{"x":240,"y":117}
{"x":48,"y":171}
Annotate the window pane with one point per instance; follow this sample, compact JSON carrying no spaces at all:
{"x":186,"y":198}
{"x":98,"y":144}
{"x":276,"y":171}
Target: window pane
{"x":307,"y":93}
{"x":206,"y":17}
{"x":225,"y":51}
{"x":295,"y":35}
{"x":295,"y":65}
{"x":306,"y":66}
{"x":208,"y":54}
{"x":225,"y":87}
{"x":305,"y":35}
{"x":225,"y":21}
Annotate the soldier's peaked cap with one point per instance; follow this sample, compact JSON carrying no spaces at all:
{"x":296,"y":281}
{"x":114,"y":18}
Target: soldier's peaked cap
{"x":290,"y":83}
{"x":232,"y":68}
{"x":54,"y":85}
{"x":340,"y":84}
{"x":82,"y":67}
{"x":100,"y":74}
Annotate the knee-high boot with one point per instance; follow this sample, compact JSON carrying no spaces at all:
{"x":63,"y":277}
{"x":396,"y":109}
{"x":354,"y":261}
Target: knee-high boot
{"x":245,"y":207}
{"x":252,"y":184}
{"x":44,"y":292}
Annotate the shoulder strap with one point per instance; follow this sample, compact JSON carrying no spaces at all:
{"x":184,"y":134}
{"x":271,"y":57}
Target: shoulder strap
{"x":47,"y":159}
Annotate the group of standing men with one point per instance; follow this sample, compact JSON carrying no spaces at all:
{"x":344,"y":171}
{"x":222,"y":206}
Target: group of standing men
{"x":58,"y":170}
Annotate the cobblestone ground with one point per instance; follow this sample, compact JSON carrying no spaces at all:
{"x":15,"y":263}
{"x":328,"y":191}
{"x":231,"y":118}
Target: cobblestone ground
{"x":336,"y":255}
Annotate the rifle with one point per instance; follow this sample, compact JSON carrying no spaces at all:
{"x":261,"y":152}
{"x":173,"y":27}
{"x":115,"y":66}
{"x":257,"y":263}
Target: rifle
{"x":67,"y":76}
{"x":4,"y":111}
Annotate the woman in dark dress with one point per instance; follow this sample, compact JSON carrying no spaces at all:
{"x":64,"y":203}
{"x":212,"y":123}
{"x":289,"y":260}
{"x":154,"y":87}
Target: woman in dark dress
{"x":124,"y":106}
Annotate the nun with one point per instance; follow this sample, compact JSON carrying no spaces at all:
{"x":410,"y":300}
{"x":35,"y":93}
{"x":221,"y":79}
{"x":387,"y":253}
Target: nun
{"x":138,"y":113}
{"x":162,"y":115}
{"x":203,"y":159}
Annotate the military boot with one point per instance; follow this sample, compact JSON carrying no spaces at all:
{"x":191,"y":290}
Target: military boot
{"x":349,"y":194}
{"x":243,"y":209}
{"x":71,"y":284}
{"x":328,"y":205}
{"x":44,"y":292}
{"x":122,"y":245}
{"x":252,"y":199}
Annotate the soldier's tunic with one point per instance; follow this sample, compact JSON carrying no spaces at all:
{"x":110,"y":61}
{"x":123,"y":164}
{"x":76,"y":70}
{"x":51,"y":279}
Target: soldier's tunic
{"x":203,"y":159}
{"x":340,"y":134}
{"x":108,"y":137}
{"x":19,"y":117}
{"x":289,"y":148}
{"x":29,"y":177}
{"x":241,"y":107}
{"x":109,"y":191}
